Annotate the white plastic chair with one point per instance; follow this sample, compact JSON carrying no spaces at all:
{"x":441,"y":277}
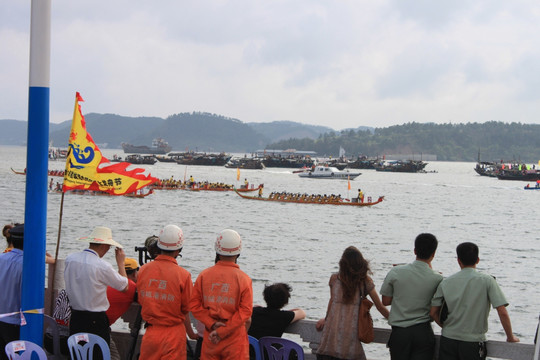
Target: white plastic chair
{"x":86,"y":351}
{"x":23,"y":349}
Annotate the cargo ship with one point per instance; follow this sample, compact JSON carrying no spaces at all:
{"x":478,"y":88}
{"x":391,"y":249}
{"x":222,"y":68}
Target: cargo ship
{"x":159,"y":146}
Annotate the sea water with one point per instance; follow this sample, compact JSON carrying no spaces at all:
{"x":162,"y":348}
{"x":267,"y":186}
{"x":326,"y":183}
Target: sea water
{"x":301,"y":244}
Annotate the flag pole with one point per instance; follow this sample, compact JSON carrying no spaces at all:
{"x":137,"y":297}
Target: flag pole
{"x":53,"y":275}
{"x":35,"y":217}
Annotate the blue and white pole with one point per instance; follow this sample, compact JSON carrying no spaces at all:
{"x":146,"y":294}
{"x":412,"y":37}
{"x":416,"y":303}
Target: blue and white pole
{"x":35,"y":218}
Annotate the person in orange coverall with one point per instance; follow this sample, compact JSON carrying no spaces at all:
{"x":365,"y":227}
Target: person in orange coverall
{"x":164,"y":291}
{"x":223,"y":301}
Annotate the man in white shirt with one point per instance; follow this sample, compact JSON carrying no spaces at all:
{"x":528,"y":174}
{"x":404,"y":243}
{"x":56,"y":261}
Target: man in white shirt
{"x":87,"y":277}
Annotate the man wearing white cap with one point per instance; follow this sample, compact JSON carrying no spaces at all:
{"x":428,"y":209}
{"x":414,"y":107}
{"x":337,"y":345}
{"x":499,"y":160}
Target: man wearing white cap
{"x":164,"y":290}
{"x":87,"y":277}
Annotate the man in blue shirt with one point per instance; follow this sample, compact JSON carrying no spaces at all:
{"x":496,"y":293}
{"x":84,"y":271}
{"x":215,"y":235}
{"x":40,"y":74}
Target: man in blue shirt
{"x":11,"y":264}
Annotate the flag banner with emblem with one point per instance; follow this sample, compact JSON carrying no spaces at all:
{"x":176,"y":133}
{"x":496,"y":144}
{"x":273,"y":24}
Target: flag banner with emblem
{"x":88,"y":169}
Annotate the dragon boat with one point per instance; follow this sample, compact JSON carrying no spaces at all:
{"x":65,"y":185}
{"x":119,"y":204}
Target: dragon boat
{"x":204,"y":188}
{"x":136,"y":194}
{"x":300,"y":201}
{"x":59,"y":173}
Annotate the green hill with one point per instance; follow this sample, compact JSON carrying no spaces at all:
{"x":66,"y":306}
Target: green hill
{"x":210,"y":132}
{"x":450,"y":142}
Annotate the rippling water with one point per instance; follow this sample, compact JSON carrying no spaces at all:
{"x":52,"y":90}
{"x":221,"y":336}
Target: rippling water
{"x":302,"y":244}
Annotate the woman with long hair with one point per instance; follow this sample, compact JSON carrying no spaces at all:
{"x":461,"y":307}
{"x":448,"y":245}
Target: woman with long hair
{"x":339,"y":340}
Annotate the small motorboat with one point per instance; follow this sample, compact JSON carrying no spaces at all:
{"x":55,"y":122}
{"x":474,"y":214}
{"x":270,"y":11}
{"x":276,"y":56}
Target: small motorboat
{"x":329,"y":172}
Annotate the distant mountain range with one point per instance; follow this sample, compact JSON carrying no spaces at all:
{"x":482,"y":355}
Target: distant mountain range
{"x":199,"y":131}
{"x":194,"y":131}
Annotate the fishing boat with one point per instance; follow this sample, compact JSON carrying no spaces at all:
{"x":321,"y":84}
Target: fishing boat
{"x":519,"y":175}
{"x":303,"y":199}
{"x":159,"y":146}
{"x":291,"y":161}
{"x":205,"y":159}
{"x":362,"y":162}
{"x":487,"y":168}
{"x":165,"y":158}
{"x":246,"y":163}
{"x":141,"y":159}
{"x":410,"y":166}
{"x":328,"y":172}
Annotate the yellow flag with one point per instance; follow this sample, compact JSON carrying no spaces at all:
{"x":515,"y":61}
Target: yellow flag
{"x":88,"y":169}
{"x":348,"y":182}
{"x":237,"y":174}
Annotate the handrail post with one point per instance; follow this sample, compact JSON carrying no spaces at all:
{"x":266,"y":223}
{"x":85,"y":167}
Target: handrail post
{"x":537,"y":343}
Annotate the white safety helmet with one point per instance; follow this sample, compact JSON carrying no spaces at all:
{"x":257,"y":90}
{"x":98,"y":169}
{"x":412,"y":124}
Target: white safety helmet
{"x":170,"y":238}
{"x":228,"y":243}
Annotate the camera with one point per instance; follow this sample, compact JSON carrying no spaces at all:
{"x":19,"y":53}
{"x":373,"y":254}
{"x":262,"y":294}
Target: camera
{"x":149,"y":251}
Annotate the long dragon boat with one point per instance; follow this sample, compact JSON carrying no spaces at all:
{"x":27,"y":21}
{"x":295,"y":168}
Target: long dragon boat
{"x":299,"y":201}
{"x":102,"y":193}
{"x":204,"y":188}
{"x":59,"y":173}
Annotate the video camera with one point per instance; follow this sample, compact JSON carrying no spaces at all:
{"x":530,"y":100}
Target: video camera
{"x":149,"y":251}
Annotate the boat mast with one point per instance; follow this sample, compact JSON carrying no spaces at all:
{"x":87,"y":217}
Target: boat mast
{"x":35,"y":216}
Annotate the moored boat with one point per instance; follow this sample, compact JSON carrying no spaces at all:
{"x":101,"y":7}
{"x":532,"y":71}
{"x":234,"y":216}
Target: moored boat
{"x":487,"y":168}
{"x":519,"y":175}
{"x":141,"y":159}
{"x":311,"y":199}
{"x":165,"y":158}
{"x":328,"y":172}
{"x":362,"y":162}
{"x":290,"y":161}
{"x":205,"y":159}
{"x":410,"y":166}
{"x":245,"y":163}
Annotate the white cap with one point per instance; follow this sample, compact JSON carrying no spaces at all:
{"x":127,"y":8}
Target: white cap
{"x":170,"y":238}
{"x":101,"y":235}
{"x":228,"y":243}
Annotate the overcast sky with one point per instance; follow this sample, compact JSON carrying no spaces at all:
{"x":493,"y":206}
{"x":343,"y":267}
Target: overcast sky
{"x":336,"y":63}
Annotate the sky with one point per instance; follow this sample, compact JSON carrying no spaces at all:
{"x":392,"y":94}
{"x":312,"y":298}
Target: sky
{"x":335,"y":63}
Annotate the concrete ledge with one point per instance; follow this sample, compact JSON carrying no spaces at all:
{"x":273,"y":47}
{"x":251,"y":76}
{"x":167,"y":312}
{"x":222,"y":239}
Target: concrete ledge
{"x":305,"y":330}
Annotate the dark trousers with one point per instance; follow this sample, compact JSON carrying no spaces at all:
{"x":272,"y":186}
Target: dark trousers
{"x":451,"y":349}
{"x":415,"y":342}
{"x":90,"y":322}
{"x":8,"y":333}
